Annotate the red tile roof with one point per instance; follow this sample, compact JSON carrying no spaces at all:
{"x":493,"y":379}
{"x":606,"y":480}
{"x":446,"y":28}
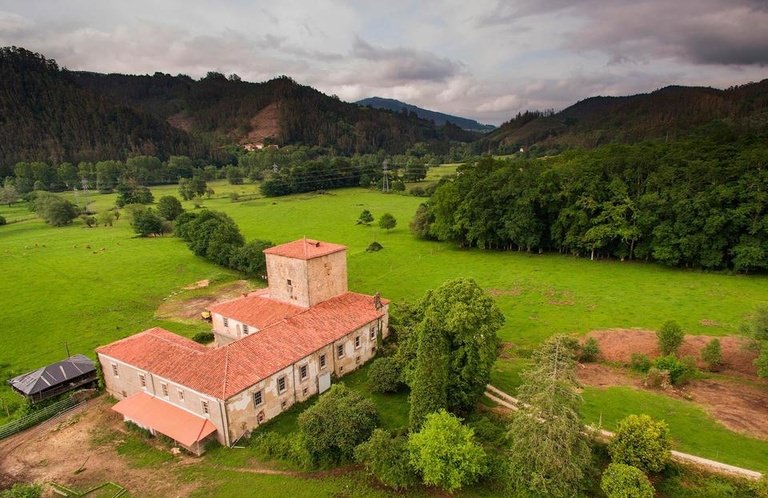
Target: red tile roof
{"x":228,"y":370}
{"x":256,"y":309}
{"x":305,"y":249}
{"x":165,"y":418}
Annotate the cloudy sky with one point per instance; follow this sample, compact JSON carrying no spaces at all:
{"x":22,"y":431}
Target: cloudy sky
{"x":485,"y":59}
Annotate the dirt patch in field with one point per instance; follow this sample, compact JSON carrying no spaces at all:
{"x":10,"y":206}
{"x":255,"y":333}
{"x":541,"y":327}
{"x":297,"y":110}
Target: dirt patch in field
{"x":54,"y":452}
{"x":180,"y":306}
{"x":514,"y":291}
{"x":619,"y":345}
{"x":736,"y":398}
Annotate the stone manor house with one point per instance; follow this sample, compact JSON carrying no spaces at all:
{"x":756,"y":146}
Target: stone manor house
{"x":273,"y":347}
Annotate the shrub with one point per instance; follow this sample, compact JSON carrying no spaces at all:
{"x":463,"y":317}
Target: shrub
{"x":589,"y":351}
{"x":418,"y":191}
{"x":670,"y":337}
{"x":387,"y":221}
{"x":250,"y":258}
{"x":281,"y":447}
{"x":712,"y":354}
{"x":446,"y":453}
{"x":88,"y":221}
{"x":657,"y":378}
{"x":625,"y":481}
{"x":365,"y":218}
{"x":387,"y":458}
{"x":146,"y":222}
{"x":169,"y":207}
{"x":384,"y":375}
{"x":640,"y":362}
{"x":203,"y":337}
{"x":642,"y":442}
{"x":680,"y":371}
{"x":20,"y":490}
{"x":2,"y":220}
{"x":374,"y":247}
{"x":339,"y":421}
{"x":55,"y":210}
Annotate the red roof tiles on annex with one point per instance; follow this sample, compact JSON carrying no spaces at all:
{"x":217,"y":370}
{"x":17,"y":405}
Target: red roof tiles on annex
{"x":165,"y":418}
{"x":256,"y":309}
{"x":305,"y":249}
{"x":228,"y":370}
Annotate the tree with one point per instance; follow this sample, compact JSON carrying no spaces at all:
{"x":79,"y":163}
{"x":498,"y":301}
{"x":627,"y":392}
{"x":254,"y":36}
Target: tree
{"x":549,"y":453}
{"x":3,"y":221}
{"x":387,"y":221}
{"x":189,"y":188}
{"x":365,"y":218}
{"x":130,"y":192}
{"x":235,"y":175}
{"x":8,"y":194}
{"x":339,"y":421}
{"x":169,"y":207}
{"x":625,"y":481}
{"x":421,"y":222}
{"x":387,"y":458}
{"x":55,"y":210}
{"x":589,"y":351}
{"x":106,"y":217}
{"x":670,"y":337}
{"x":445,"y":452}
{"x":385,"y":375}
{"x":146,"y":222}
{"x":641,"y":442}
{"x":429,"y":384}
{"x":250,"y":258}
{"x":210,"y":234}
{"x":712,"y":354}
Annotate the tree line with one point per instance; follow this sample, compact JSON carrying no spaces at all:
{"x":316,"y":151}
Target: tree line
{"x":695,"y":203}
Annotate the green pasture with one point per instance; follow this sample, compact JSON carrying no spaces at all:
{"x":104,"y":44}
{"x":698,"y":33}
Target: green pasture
{"x":78,"y":288}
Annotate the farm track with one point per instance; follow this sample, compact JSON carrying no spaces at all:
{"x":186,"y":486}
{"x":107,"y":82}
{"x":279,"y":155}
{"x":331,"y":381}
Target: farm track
{"x":500,"y":397}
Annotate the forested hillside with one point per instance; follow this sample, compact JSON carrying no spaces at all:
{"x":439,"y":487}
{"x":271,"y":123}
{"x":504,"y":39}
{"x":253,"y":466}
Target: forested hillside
{"x":45,"y":117}
{"x":439,"y":118}
{"x":278,"y":111}
{"x":668,"y":113}
{"x":702,"y":202}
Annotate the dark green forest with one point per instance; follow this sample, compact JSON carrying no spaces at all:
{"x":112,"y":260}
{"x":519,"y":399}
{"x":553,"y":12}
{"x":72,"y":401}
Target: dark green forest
{"x":700,"y":202}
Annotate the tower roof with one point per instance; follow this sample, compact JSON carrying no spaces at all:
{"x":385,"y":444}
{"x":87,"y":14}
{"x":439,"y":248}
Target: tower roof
{"x":305,"y":249}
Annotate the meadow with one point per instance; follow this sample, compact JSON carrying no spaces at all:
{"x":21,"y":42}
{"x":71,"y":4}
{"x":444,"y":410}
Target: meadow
{"x":77,"y":288}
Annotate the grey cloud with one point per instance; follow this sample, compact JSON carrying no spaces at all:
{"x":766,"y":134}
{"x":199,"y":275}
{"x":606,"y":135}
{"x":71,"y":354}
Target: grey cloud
{"x":402,"y":64}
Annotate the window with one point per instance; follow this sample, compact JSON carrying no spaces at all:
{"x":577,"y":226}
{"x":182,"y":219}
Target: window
{"x":181,"y":395}
{"x":305,"y":391}
{"x":303,"y":372}
{"x":143,"y":381}
{"x":257,"y":398}
{"x":340,"y":350}
{"x":226,"y":321}
{"x":373,"y":333}
{"x":283,"y":404}
{"x":281,"y":384}
{"x":204,"y":405}
{"x":164,"y":388}
{"x":357,"y":342}
{"x":357,"y":359}
{"x":322,"y":361}
{"x":260,"y":417}
{"x":114,"y":370}
{"x":245,"y":329}
{"x":289,"y":286}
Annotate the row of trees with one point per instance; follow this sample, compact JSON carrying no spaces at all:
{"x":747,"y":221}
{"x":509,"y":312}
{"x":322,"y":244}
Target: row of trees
{"x":692,"y":204}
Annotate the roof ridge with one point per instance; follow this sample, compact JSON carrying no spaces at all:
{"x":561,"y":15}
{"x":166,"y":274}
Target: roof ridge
{"x":174,"y":342}
{"x":226,"y":373}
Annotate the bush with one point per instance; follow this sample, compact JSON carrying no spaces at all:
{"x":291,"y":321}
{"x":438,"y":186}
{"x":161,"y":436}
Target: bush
{"x":418,"y":191}
{"x":23,"y":491}
{"x":387,"y":221}
{"x":365,"y":218}
{"x":656,"y":378}
{"x":670,"y":337}
{"x":712,"y":354}
{"x":3,"y":220}
{"x":642,"y":442}
{"x":339,"y":421}
{"x":374,"y":247}
{"x":281,"y":447}
{"x":169,"y":207}
{"x":387,"y":458}
{"x":624,"y":481}
{"x":203,"y":337}
{"x":445,"y":452}
{"x":55,"y":210}
{"x":680,"y":372}
{"x":146,"y":222}
{"x":250,"y":258}
{"x":640,"y":362}
{"x":589,"y":351}
{"x":385,"y":375}
{"x":234,"y":196}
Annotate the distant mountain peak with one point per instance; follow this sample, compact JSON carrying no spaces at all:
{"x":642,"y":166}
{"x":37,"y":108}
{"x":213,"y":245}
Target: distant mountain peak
{"x":439,"y":118}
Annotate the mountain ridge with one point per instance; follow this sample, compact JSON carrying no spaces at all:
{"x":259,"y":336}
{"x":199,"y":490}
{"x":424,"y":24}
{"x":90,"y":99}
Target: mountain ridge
{"x":440,"y":118}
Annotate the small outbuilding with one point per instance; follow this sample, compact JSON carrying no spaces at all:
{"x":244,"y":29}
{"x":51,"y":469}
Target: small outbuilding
{"x":75,"y":372}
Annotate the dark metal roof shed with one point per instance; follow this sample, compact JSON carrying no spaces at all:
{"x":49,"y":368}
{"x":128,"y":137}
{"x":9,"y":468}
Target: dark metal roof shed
{"x":45,"y":378}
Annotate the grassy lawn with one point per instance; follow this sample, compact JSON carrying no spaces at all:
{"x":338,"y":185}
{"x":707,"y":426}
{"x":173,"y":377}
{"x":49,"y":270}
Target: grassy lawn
{"x":62,"y":292}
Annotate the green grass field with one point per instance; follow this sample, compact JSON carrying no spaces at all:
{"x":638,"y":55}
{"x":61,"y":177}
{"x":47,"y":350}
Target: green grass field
{"x":77,"y":287}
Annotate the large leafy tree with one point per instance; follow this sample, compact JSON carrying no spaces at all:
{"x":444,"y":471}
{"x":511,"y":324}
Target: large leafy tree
{"x":641,"y":442}
{"x":169,"y":207}
{"x":457,"y":346}
{"x":548,"y":452}
{"x":445,"y":452}
{"x":339,"y":421}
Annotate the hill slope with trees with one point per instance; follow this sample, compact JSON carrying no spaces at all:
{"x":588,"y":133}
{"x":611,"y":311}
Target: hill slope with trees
{"x":438,"y":117}
{"x":668,"y":113}
{"x":46,"y":117}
